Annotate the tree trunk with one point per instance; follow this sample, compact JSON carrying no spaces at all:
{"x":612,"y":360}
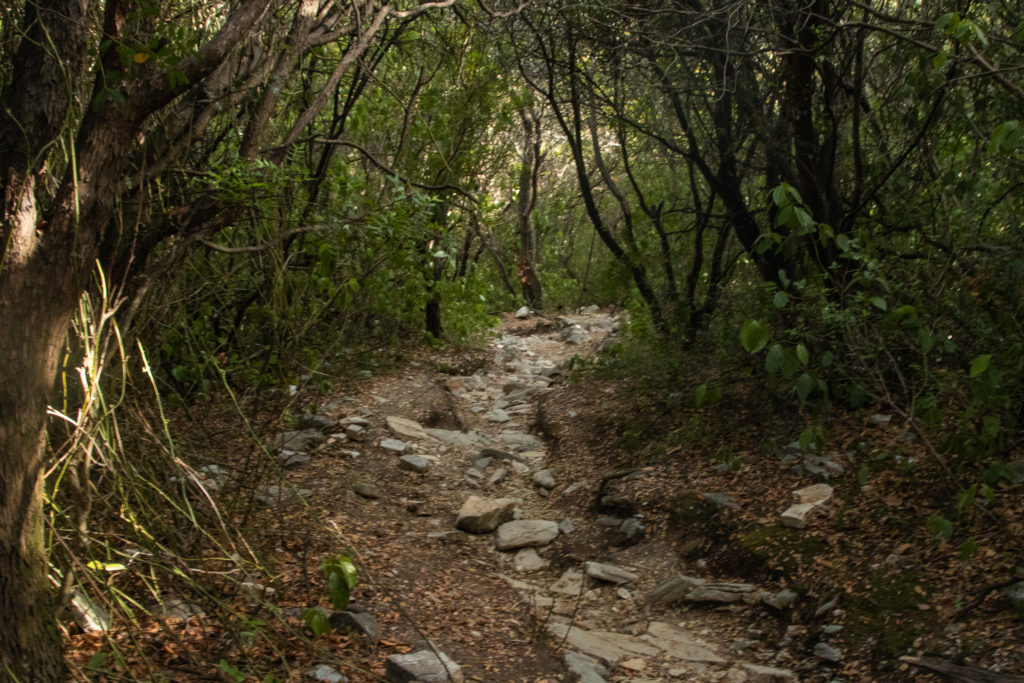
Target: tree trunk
{"x":528,"y":172}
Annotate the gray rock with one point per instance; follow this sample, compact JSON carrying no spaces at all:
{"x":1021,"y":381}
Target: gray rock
{"x":566,"y":526}
{"x":299,"y":440}
{"x":725,"y":592}
{"x":355,"y":432}
{"x":679,"y":644}
{"x":880,"y":420}
{"x":827,"y":607}
{"x":523,"y":313}
{"x":544,"y":479}
{"x":783,"y":599}
{"x":632,"y":527}
{"x":423,"y":666}
{"x":609,"y":573}
{"x":495,"y":454}
{"x":212,"y":477}
{"x":321,"y":423}
{"x":817,"y":493}
{"x":526,"y":533}
{"x":482,"y":463}
{"x":393,"y":445}
{"x":288,"y":459}
{"x":827,"y":652}
{"x":831,"y":629}
{"x":475,"y":474}
{"x":1015,"y":594}
{"x":671,"y":590}
{"x":497,"y":416}
{"x":357,"y":620}
{"x":796,"y":516}
{"x":354,"y":420}
{"x":498,"y":476}
{"x":520,"y":441}
{"x":569,"y":583}
{"x":722,"y":500}
{"x":606,"y":646}
{"x":766,"y":674}
{"x":482,"y":515}
{"x":368,"y":491}
{"x":456,"y":438}
{"x":404,"y":427}
{"x":413,"y":463}
{"x":89,"y":615}
{"x":326,"y":674}
{"x":174,"y":607}
{"x":272,"y":494}
{"x":607,"y":521}
{"x":588,"y":669}
{"x":527,"y":560}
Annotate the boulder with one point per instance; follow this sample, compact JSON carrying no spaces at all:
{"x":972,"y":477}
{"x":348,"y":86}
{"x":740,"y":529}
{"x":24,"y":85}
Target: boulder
{"x":479,"y":515}
{"x":525,"y":533}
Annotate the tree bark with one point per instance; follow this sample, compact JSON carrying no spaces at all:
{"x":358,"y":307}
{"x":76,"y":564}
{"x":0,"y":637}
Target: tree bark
{"x":528,"y":172}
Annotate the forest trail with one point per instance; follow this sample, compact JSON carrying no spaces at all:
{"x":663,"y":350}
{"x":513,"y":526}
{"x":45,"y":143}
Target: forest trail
{"x":572,"y":602}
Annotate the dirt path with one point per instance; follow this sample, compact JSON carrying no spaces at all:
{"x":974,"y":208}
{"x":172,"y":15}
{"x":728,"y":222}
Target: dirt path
{"x":523,"y":614}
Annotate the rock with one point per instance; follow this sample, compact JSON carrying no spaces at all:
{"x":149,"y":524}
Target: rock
{"x":413,"y":463}
{"x":566,"y":526}
{"x":719,"y":592}
{"x":213,"y":477}
{"x":354,"y":420}
{"x":527,"y":533}
{"x":569,"y":583}
{"x":393,"y":445}
{"x":523,"y":313}
{"x":588,"y":669}
{"x":722,"y":500}
{"x":254,"y":593}
{"x":368,"y":491}
{"x":609,"y":573}
{"x":288,"y":459}
{"x":321,"y":423}
{"x":766,"y":674}
{"x":497,"y":416}
{"x":822,"y":466}
{"x":527,"y":560}
{"x":270,"y":495}
{"x":781,"y":600}
{"x":671,"y":590}
{"x":480,"y":515}
{"x":544,"y":479}
{"x":354,"y":619}
{"x":679,"y":644}
{"x":1015,"y":469}
{"x":498,"y":476}
{"x":817,"y":493}
{"x":606,"y":646}
{"x":633,"y":528}
{"x":827,"y":607}
{"x":174,"y":607}
{"x":355,"y":432}
{"x":827,"y":652}
{"x":623,"y":506}
{"x":404,"y":427}
{"x":482,"y":463}
{"x":456,"y":438}
{"x":796,"y":515}
{"x":90,"y":616}
{"x":423,"y":666}
{"x":635,"y":664}
{"x":520,"y":441}
{"x":299,"y":440}
{"x":880,"y":420}
{"x":831,"y":629}
{"x":322,"y":672}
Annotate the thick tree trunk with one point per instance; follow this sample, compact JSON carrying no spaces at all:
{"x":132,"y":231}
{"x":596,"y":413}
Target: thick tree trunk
{"x":528,"y":172}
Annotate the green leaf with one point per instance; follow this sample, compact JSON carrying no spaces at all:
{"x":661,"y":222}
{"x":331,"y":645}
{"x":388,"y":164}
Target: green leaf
{"x":879,"y":303}
{"x":981,"y":364}
{"x":754,"y":336}
{"x":780,"y":299}
{"x":106,"y":566}
{"x":939,"y":527}
{"x":804,"y":387}
{"x":802,"y":354}
{"x":863,"y":474}
{"x":773,"y":359}
{"x":939,"y":60}
{"x":97,"y":661}
{"x":827,"y":359}
{"x":926,"y":339}
{"x":779,"y":197}
{"x":968,"y":549}
{"x":699,"y":395}
{"x":317,"y":622}
{"x":965,"y":499}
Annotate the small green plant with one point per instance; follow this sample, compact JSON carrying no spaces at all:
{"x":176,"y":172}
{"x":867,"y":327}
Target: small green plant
{"x":341,"y":576}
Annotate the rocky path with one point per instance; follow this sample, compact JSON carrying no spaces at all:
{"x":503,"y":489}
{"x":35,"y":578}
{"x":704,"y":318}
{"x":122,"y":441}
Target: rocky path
{"x":461,"y":517}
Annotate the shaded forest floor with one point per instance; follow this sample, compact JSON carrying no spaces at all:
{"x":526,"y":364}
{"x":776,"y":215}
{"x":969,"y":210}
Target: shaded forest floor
{"x":708,"y":487}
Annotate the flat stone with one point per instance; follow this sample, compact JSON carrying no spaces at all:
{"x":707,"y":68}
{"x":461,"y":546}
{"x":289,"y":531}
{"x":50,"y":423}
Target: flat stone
{"x":355,"y":432}
{"x":817,"y":493}
{"x":635,"y":664}
{"x":356,"y":620}
{"x":719,"y":592}
{"x":671,"y":590}
{"x":525,"y":533}
{"x":587,"y":668}
{"x":679,"y":644}
{"x":498,"y":476}
{"x":413,"y":463}
{"x":609,"y":573}
{"x":827,"y":652}
{"x":566,"y":526}
{"x":722,"y":500}
{"x":611,"y":522}
{"x":322,"y":423}
{"x":299,"y":440}
{"x":569,"y":583}
{"x":781,"y":600}
{"x":544,"y":479}
{"x":767,"y":674}
{"x":272,"y":494}
{"x":527,"y":560}
{"x":796,"y":516}
{"x":606,"y":646}
{"x":92,"y":617}
{"x":632,"y":527}
{"x":497,"y":416}
{"x":404,"y":427}
{"x":520,"y":441}
{"x":523,"y":313}
{"x":393,"y":445}
{"x":289,"y":459}
{"x":354,"y":420}
{"x":480,"y":515}
{"x":368,"y":491}
{"x":326,"y":674}
{"x":456,"y":438}
{"x":424,"y":666}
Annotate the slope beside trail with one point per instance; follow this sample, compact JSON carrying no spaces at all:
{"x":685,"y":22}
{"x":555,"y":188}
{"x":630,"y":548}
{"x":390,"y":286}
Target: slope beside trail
{"x":573,"y":607}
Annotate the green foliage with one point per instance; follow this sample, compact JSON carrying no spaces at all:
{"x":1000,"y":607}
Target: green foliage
{"x":340,"y":573}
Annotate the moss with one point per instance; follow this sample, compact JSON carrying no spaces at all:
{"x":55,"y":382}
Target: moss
{"x":781,"y":549}
{"x":883,"y":612}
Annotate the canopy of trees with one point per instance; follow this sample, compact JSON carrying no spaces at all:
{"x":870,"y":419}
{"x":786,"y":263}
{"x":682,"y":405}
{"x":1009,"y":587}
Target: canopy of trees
{"x":257,"y":190}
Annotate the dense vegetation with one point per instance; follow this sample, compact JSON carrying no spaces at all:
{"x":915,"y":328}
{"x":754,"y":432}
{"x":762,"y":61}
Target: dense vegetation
{"x":266,"y":193}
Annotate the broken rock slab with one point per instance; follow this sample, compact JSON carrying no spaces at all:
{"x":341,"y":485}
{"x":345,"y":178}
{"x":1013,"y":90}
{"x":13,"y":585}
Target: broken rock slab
{"x":587,"y":668}
{"x":796,"y":516}
{"x":405,"y":428}
{"x":394,"y":445}
{"x":413,"y":463}
{"x":423,"y":666}
{"x":300,"y":440}
{"x":606,"y":646}
{"x":673,"y":589}
{"x":525,"y":533}
{"x":818,"y":494}
{"x":679,"y":644}
{"x":479,"y":515}
{"x":527,"y":560}
{"x":609,"y":573}
{"x":725,"y":592}
{"x":756,"y":673}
